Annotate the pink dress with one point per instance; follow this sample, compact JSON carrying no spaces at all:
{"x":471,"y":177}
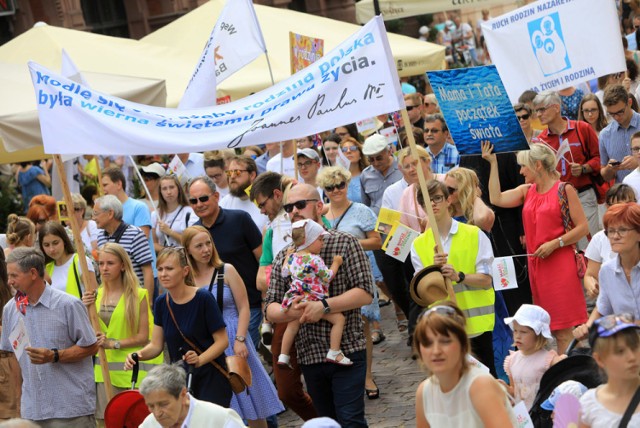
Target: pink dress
{"x":310,"y":278}
{"x":526,"y":372}
{"x":555,"y":285}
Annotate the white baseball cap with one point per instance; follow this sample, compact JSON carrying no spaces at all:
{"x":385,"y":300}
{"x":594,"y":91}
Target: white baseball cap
{"x":534,"y":317}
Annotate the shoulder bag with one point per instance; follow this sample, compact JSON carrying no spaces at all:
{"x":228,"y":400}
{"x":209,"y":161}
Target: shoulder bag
{"x":624,"y":422}
{"x":581,"y":263}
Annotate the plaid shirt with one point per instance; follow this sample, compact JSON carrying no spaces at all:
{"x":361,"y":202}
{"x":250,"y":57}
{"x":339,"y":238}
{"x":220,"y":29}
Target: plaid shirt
{"x":312,"y":341}
{"x":447,"y":159}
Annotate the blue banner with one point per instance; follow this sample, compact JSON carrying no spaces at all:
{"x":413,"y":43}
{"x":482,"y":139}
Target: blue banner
{"x":477,"y":108}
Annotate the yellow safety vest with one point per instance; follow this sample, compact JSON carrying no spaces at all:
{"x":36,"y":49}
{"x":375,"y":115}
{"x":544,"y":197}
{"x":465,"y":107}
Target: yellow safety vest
{"x":476,"y":303}
{"x":72,"y":285}
{"x":117,"y":330}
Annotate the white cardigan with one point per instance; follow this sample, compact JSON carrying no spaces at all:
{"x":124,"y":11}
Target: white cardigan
{"x":205,"y":415}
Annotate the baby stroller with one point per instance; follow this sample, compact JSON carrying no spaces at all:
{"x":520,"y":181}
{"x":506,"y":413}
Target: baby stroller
{"x":578,"y":366}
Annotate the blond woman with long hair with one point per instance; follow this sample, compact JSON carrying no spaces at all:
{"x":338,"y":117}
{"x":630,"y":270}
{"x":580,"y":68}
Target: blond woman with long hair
{"x":124,"y":315}
{"x":465,"y":198}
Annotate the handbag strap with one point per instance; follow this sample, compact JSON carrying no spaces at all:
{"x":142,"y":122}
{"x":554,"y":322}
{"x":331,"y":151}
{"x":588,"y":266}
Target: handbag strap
{"x":635,"y":400}
{"x":220,"y":290}
{"x":75,"y":273}
{"x":224,"y":372}
{"x":342,"y":216}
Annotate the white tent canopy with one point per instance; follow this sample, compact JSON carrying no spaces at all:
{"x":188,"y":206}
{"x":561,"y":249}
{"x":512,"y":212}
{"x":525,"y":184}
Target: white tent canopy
{"x":396,"y":9}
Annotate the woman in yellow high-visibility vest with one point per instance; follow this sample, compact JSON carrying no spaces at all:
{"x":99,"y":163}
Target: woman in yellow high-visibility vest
{"x":125,"y":319}
{"x":62,"y":261}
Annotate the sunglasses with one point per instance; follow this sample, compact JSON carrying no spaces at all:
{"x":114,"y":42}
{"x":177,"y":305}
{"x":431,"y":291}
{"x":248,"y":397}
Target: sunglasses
{"x":261,"y":205}
{"x":299,"y":205}
{"x":234,"y":172}
{"x":349,"y":149}
{"x":378,"y":158}
{"x":446,"y":311}
{"x":338,"y":186}
{"x":409,"y":108}
{"x":202,"y":199}
{"x":77,"y":209}
{"x":609,"y":325}
{"x":431,"y":131}
{"x":523,"y":116}
{"x":452,"y":190}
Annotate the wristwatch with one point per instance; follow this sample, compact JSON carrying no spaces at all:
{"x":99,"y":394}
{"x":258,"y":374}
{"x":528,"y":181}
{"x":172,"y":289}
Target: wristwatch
{"x":327,"y":308}
{"x":461,"y":277}
{"x":584,"y":169}
{"x":116,"y":344}
{"x":241,"y":339}
{"x":561,"y":242}
{"x":56,"y":355}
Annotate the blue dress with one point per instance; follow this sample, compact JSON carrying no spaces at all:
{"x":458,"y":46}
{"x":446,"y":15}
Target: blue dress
{"x":262,"y":399}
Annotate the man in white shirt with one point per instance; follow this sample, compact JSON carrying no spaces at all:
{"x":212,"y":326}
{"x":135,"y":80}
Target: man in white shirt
{"x":241,"y":173}
{"x":282,"y":163}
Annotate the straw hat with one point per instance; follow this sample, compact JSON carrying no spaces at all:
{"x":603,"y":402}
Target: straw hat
{"x":428,"y":286}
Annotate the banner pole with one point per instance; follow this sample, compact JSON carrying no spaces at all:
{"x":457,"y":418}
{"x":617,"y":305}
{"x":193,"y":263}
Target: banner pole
{"x":89,"y":280}
{"x":427,"y":201}
{"x":266,"y":54}
{"x":144,"y":185}
{"x":100,"y":188}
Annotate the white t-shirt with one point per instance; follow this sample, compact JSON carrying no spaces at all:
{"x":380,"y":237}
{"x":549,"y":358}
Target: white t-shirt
{"x":231,"y":202}
{"x":633,"y":180}
{"x":177,"y":221}
{"x":594,"y":414}
{"x":599,"y":248}
{"x":393,"y":193}
{"x":89,"y":234}
{"x":222,"y":192}
{"x":59,"y":274}
{"x":466,"y":29}
{"x":288,"y":165}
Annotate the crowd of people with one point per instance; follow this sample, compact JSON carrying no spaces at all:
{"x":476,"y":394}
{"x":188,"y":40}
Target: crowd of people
{"x":271,"y":258}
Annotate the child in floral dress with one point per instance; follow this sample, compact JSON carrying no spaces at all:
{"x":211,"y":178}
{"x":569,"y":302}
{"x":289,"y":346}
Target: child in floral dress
{"x":310,"y":280}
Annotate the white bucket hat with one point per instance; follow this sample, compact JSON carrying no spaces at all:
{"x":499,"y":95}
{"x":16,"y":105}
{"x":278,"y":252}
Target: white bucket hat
{"x":312,"y":231}
{"x":534,"y":317}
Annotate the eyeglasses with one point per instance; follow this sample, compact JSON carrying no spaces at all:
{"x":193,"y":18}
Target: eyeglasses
{"x":409,"y":108}
{"x":523,"y":117}
{"x":451,"y":190}
{"x":349,"y":149}
{"x":234,"y":172}
{"x":96,"y":213}
{"x":618,"y":113}
{"x":436,"y":199}
{"x":378,"y":158}
{"x":299,"y":205}
{"x":338,"y":186}
{"x":635,"y":149}
{"x":215,"y":176}
{"x":202,"y":199}
{"x":304,"y":164}
{"x":589,"y":111}
{"x":330,"y":149}
{"x":427,"y":104}
{"x":262,"y":204}
{"x":432,"y":130}
{"x":541,"y":110}
{"x":620,"y":232}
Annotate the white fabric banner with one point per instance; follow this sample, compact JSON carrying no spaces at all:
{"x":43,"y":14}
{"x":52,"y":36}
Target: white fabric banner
{"x":358,"y":79}
{"x":235,"y":41}
{"x":554,"y":44}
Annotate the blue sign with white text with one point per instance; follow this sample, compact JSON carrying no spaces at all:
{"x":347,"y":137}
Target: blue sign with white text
{"x":477,"y":108}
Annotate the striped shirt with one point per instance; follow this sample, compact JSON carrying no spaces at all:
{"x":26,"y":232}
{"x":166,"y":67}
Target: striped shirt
{"x":615,"y":143}
{"x":312,"y":341}
{"x":135,"y":244}
{"x":54,"y":390}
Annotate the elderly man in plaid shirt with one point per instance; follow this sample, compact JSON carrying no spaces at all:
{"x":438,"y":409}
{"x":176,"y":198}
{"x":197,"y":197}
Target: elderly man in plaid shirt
{"x":337,"y":391}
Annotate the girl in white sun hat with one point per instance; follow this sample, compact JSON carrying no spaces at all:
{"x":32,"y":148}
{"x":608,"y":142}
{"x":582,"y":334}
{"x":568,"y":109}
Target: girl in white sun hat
{"x":525,"y":367}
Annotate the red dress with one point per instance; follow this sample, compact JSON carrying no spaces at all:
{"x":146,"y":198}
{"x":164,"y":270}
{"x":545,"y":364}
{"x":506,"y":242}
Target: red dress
{"x":555,"y":285}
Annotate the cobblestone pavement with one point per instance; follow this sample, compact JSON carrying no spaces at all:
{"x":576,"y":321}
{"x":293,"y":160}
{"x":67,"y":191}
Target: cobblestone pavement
{"x":397,"y":376}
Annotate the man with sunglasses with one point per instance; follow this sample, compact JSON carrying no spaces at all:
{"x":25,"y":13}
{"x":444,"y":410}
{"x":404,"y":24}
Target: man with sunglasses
{"x":241,"y":173}
{"x":444,"y":156}
{"x":581,"y":164}
{"x":615,"y":140}
{"x":237,"y":239}
{"x":336,"y":391}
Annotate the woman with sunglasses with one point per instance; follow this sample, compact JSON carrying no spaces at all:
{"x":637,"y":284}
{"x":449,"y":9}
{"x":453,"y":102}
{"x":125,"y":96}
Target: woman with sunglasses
{"x":125,"y":318}
{"x":186,"y":318}
{"x":174,"y":214}
{"x":523,"y":113}
{"x":358,"y":220}
{"x":261,"y":399}
{"x":456,"y":393}
{"x":619,"y":277}
{"x":352,"y":149}
{"x":615,"y":344}
{"x":591,"y":111}
{"x":465,"y":197}
{"x":553,"y":273}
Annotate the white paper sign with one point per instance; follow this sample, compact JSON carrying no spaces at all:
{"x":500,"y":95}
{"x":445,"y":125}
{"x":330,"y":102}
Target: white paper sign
{"x":399,"y":244}
{"x":391,"y":134}
{"x":19,"y":338}
{"x":177,"y":167}
{"x":541,"y":46}
{"x":366,"y":124}
{"x":504,"y":274}
{"x":355,"y":80}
